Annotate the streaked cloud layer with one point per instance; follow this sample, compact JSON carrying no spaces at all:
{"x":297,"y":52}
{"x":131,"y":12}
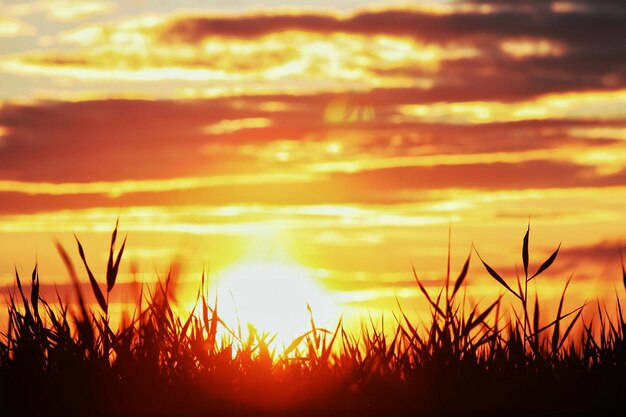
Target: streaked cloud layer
{"x":355,"y":131}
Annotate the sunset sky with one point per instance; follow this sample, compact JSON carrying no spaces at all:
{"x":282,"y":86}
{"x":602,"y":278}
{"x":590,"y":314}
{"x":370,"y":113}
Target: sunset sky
{"x":336,"y":141}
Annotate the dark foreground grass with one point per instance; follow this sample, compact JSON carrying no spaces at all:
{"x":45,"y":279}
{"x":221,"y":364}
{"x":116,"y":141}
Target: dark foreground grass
{"x":493,"y":359}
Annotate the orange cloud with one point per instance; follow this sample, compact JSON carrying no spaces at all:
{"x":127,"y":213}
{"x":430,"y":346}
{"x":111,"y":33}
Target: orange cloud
{"x":230,"y":126}
{"x":590,"y":105}
{"x":232,"y":140}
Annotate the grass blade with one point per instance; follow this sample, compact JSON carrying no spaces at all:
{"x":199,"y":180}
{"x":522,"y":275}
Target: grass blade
{"x":525,"y":251}
{"x":423,"y":290}
{"x":212,"y":335}
{"x":113,"y":268}
{"x":94,"y":284}
{"x":34,"y":292}
{"x":552,"y":323}
{"x":295,"y":343}
{"x":569,"y":328}
{"x":556,"y":334}
{"x":536,"y":324}
{"x":621,"y":255}
{"x":74,"y":277}
{"x":462,"y":275}
{"x":481,"y":317}
{"x":448,"y":261}
{"x":19,"y":287}
{"x":110,"y":278}
{"x":497,"y":276}
{"x":547,"y":263}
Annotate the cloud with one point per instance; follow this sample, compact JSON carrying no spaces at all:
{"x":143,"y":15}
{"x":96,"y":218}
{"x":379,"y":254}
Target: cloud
{"x":116,"y":147}
{"x":504,"y":54}
{"x":429,"y":27}
{"x":500,"y":176}
{"x":62,"y":10}
{"x":112,"y":140}
{"x":604,"y":252}
{"x":385,"y":186}
{"x":587,"y":105}
{"x":598,"y":260}
{"x":11,"y":28}
{"x":234,"y":125}
{"x":300,"y":61}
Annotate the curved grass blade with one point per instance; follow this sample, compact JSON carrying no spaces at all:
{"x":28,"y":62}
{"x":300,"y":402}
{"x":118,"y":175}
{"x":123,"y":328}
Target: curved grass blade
{"x":34,"y":291}
{"x":621,"y":255}
{"x":295,"y":343}
{"x":556,"y":334}
{"x":525,"y":252}
{"x":328,"y":349}
{"x":471,"y":323}
{"x":94,"y":284}
{"x":547,"y":263}
{"x":212,"y":334}
{"x":110,"y":260}
{"x":552,"y":323}
{"x":448,"y":262}
{"x":73,"y":276}
{"x":536,"y":324}
{"x":183,"y":331}
{"x":113,"y":267}
{"x":569,"y":328}
{"x":462,"y":275}
{"x":423,"y":290}
{"x":19,"y":287}
{"x":496,"y":276}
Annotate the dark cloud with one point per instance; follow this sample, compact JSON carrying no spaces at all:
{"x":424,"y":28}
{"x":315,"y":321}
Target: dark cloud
{"x":591,"y":57}
{"x":607,"y":251}
{"x":605,"y":6}
{"x":494,"y":76}
{"x":603,"y":255}
{"x":596,"y":24}
{"x":589,"y":52}
{"x":113,"y":140}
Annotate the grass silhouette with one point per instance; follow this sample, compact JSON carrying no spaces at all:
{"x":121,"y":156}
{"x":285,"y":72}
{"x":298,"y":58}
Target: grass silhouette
{"x":62,"y":359}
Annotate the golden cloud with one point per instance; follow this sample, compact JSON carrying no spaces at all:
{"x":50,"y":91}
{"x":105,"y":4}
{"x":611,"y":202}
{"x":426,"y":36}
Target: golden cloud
{"x":11,"y":28}
{"x":288,"y":59}
{"x":63,"y":10}
{"x":594,"y":105}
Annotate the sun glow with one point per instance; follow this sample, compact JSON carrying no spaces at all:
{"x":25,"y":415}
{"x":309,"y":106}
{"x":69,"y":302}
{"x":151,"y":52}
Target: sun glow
{"x":273,"y":296}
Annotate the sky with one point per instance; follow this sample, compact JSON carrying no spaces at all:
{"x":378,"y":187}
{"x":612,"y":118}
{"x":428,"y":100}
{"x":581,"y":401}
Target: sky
{"x":335,"y":141}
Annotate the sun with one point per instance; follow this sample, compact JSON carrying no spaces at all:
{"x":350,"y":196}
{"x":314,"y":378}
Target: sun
{"x":273,"y":296}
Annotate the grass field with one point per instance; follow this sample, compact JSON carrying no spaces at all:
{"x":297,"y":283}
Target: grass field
{"x":497,"y":358}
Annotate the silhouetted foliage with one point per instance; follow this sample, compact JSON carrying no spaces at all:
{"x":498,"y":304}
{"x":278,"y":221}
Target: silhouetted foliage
{"x":469,"y":360}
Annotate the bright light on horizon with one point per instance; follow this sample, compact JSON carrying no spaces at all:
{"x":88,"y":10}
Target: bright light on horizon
{"x":272,"y":292}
